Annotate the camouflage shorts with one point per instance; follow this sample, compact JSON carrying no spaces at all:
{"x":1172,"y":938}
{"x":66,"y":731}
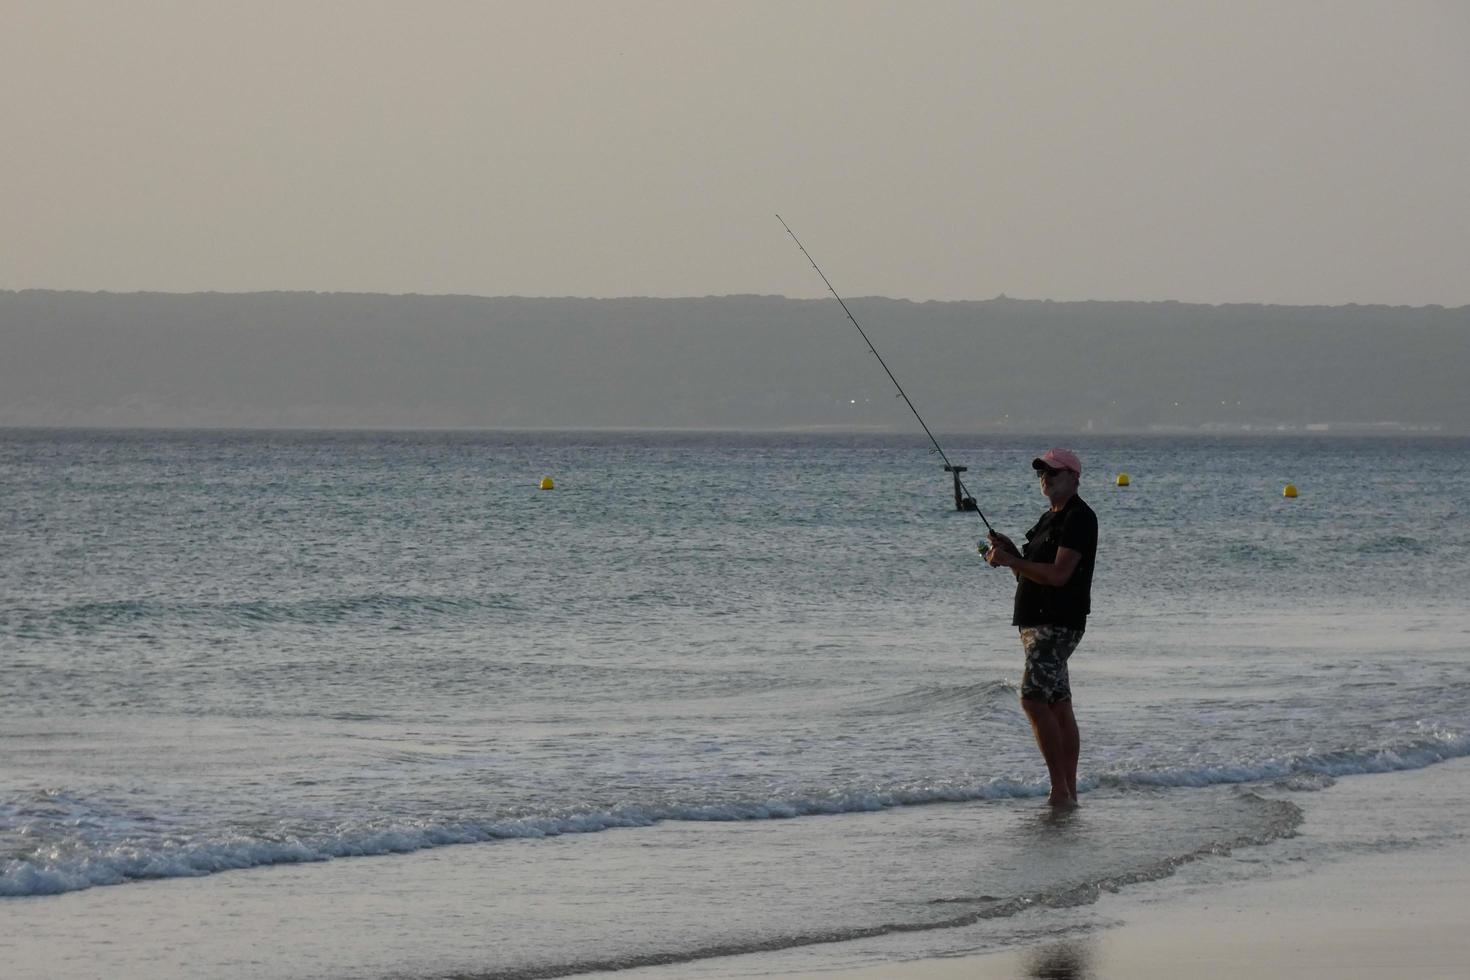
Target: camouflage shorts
{"x":1047,"y":649}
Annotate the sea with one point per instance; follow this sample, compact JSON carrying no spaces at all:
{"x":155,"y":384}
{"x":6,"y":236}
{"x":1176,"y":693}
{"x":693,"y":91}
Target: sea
{"x":373,"y":704}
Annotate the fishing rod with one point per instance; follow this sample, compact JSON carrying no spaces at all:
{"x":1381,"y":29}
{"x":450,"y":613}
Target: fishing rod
{"x":874,"y":351}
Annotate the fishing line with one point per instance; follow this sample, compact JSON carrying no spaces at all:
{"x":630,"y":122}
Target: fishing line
{"x":874,"y":351}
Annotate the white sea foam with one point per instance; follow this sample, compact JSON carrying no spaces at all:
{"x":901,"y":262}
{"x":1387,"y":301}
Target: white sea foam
{"x":134,"y":860}
{"x":1396,"y":757}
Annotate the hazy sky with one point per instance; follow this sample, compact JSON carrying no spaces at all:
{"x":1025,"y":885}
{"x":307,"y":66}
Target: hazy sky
{"x":1292,"y":152}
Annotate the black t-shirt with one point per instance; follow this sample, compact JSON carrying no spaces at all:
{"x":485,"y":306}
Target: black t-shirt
{"x":1075,"y":527}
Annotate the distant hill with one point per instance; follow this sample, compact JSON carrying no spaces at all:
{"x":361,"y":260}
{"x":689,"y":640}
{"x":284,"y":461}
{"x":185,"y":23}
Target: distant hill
{"x":751,"y":362}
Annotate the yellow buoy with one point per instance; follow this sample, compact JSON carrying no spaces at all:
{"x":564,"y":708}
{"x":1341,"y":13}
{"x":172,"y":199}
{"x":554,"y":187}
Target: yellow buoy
{"x":1123,"y":480}
{"x":547,"y":484}
{"x":1289,"y":490}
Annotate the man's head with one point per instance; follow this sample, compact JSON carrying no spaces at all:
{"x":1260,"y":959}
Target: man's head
{"x":1060,"y":471}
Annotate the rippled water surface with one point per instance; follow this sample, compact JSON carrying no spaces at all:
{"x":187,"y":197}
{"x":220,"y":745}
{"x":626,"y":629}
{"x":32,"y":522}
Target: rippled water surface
{"x":226,"y":651}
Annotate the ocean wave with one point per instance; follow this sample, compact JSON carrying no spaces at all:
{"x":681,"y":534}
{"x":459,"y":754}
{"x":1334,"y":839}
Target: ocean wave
{"x":1411,"y":753}
{"x":1256,"y":553}
{"x":1387,"y":544}
{"x":87,"y":617}
{"x":134,"y":860}
{"x":930,"y":699}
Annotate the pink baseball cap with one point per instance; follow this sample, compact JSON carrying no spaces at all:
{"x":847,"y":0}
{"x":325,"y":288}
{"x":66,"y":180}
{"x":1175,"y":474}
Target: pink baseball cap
{"x":1058,"y":459}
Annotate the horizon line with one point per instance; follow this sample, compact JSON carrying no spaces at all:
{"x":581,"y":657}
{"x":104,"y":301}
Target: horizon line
{"x":998,"y":298}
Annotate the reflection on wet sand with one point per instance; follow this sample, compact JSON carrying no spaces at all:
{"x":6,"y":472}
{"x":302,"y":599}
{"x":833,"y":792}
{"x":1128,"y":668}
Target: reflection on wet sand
{"x":1062,"y":961}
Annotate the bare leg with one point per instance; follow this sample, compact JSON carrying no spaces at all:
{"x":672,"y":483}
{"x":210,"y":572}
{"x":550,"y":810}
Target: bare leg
{"x":1071,"y":743}
{"x":1047,"y":726}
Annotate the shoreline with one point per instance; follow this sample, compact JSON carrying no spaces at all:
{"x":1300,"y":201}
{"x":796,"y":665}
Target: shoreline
{"x":1382,"y":915}
{"x":1370,"y":886}
{"x":1372,"y":883}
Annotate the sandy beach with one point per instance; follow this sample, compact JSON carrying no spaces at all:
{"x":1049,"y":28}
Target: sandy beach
{"x":1393,"y":906}
{"x":1388,"y":915}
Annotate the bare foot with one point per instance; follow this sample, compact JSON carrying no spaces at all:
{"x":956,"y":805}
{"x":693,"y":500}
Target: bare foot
{"x":1061,"y":801}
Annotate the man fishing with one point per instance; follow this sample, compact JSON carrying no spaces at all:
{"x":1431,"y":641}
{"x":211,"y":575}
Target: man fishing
{"x":1054,"y":579}
{"x":1053,"y":587}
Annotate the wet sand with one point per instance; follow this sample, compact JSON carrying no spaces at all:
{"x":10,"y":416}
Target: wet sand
{"x":1389,"y":902}
{"x":1384,"y":915}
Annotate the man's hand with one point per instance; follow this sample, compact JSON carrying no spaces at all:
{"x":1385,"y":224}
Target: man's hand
{"x":1002,"y":550}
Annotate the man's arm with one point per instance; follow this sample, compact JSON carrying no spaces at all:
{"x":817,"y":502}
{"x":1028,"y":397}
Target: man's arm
{"x":1055,"y":574}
